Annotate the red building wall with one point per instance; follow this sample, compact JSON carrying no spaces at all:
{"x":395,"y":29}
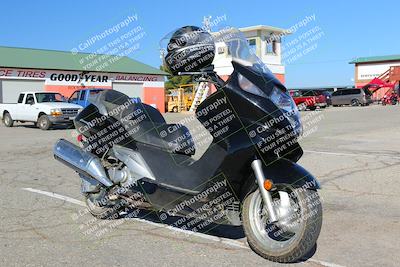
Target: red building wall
{"x":155,"y":95}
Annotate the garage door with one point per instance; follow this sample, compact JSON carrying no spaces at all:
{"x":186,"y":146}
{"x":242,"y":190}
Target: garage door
{"x":10,"y":89}
{"x":130,"y":89}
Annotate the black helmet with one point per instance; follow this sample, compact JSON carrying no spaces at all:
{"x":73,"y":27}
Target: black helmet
{"x":189,"y":49}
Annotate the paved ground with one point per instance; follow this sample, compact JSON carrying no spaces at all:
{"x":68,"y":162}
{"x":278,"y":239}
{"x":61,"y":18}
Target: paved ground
{"x":355,"y":152}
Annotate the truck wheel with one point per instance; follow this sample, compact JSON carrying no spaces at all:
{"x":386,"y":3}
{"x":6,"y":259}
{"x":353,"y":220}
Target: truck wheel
{"x":302,"y":107}
{"x":7,"y":120}
{"x":43,"y":122}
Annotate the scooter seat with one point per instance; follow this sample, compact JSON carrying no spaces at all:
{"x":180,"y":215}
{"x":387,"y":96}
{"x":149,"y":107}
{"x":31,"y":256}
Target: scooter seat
{"x":153,"y":130}
{"x":181,"y":172}
{"x":173,"y":138}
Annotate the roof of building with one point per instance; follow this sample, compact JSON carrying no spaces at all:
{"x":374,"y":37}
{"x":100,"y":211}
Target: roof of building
{"x":265,"y":28}
{"x":15,"y":57}
{"x":375,"y":59}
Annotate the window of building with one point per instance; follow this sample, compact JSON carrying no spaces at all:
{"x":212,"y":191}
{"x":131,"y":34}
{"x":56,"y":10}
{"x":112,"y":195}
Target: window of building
{"x":271,"y":47}
{"x":252,"y":44}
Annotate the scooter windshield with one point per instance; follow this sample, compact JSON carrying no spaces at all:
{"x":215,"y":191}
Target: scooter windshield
{"x":234,"y":46}
{"x":191,"y":49}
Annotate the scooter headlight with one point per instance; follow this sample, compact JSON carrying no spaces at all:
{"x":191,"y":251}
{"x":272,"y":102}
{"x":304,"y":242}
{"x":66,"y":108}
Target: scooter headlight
{"x":249,"y":87}
{"x":280,"y":98}
{"x":285,"y":102}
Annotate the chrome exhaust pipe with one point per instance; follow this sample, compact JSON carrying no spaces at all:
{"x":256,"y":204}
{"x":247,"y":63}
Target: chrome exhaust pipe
{"x":81,"y":161}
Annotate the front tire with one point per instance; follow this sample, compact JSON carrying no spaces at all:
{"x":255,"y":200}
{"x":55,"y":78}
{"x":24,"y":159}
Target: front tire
{"x":7,"y":120}
{"x":44,"y":123}
{"x":294,"y":235}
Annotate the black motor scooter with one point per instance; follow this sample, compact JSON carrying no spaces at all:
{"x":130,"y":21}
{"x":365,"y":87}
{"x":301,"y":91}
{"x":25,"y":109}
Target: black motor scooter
{"x":130,"y":157}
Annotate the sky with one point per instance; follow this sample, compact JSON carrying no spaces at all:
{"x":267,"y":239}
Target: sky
{"x":346,"y":29}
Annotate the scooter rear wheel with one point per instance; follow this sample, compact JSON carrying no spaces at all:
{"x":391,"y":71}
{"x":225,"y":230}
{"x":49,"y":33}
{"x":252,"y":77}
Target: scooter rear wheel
{"x":101,"y":211}
{"x":296,"y":232}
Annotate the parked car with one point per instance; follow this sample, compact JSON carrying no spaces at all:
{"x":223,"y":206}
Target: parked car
{"x":42,"y":108}
{"x":353,"y":97}
{"x":308,"y":99}
{"x":82,"y":97}
{"x":328,"y":97}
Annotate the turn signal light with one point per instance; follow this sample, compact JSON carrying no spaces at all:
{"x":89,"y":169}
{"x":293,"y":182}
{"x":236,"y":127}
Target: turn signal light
{"x":55,"y":113}
{"x":268,"y":184}
{"x":79,"y":138}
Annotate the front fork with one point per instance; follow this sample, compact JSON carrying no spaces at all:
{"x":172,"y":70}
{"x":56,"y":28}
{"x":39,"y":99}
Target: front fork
{"x":256,"y":165}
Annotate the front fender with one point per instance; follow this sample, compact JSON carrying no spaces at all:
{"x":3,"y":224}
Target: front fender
{"x":283,"y":171}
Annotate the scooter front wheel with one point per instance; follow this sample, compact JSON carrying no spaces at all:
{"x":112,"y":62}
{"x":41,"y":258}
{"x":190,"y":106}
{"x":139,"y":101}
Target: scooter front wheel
{"x":294,"y":235}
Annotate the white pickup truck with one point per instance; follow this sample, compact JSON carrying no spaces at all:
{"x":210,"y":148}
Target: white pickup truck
{"x":42,"y":108}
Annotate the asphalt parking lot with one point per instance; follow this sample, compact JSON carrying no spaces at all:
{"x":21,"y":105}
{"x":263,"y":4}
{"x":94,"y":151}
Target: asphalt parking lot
{"x":354,"y":151}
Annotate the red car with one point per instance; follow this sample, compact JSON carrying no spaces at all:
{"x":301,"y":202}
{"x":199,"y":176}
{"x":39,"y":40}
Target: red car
{"x":308,"y":99}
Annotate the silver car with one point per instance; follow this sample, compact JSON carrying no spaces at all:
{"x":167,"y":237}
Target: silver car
{"x":353,"y":97}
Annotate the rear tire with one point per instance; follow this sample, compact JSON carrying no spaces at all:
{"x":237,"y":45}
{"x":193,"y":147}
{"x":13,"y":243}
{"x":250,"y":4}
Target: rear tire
{"x":312,"y":108}
{"x":7,"y":120}
{"x":284,"y":248}
{"x":355,"y":103}
{"x":302,"y":107}
{"x":44,"y":123}
{"x":99,"y":211}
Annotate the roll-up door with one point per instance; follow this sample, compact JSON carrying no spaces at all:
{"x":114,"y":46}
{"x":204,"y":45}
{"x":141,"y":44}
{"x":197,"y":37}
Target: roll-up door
{"x":130,"y":89}
{"x":10,"y":89}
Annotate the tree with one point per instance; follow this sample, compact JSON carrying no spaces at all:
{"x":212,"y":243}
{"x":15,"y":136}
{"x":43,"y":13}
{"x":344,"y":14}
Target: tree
{"x":174,"y":82}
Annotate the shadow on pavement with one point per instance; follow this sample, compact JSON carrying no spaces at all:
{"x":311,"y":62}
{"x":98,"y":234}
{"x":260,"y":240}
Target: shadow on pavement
{"x":54,"y":127}
{"x":218,"y":230}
